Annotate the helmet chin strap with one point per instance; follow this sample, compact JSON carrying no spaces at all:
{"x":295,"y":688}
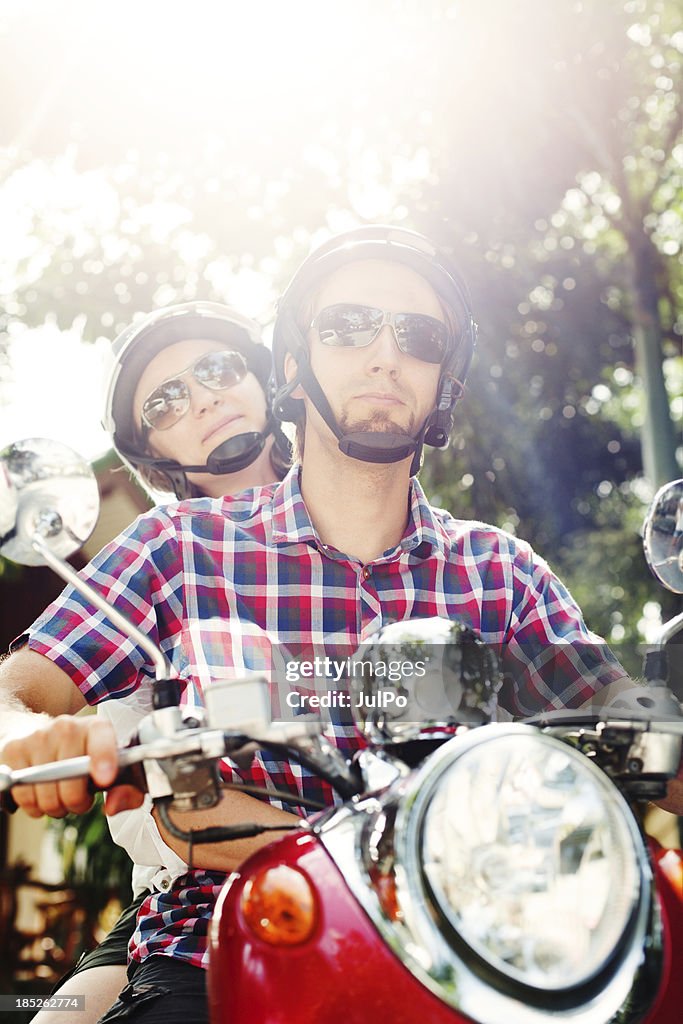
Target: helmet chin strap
{"x":381,"y":447}
{"x":231,"y":456}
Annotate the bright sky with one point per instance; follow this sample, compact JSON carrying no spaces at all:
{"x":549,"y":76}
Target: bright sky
{"x":236,"y":75}
{"x":57,"y":390}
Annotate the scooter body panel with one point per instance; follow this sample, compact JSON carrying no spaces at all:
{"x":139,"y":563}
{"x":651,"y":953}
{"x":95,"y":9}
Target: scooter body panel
{"x":344,"y":974}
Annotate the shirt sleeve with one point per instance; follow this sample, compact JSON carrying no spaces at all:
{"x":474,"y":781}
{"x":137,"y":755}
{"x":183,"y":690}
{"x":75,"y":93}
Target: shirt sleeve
{"x":551,"y":659}
{"x":140,"y":574}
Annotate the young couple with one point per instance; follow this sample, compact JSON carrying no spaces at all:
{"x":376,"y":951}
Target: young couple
{"x":372,"y":344}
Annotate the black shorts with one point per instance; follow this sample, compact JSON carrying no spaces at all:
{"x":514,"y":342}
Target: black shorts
{"x":161,"y":990}
{"x":113,"y":949}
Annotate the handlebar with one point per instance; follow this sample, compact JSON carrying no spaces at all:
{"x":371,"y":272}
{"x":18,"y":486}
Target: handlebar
{"x":206,"y":744}
{"x":181,"y":769}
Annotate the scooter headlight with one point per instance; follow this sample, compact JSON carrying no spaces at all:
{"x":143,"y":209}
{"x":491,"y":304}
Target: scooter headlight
{"x":529,"y":857}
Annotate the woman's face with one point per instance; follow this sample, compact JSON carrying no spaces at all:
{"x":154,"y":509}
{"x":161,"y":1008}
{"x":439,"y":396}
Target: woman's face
{"x":212,"y":417}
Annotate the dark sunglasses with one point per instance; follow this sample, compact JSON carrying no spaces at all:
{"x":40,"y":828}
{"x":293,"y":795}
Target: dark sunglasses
{"x":169,"y":402}
{"x":349,"y":325}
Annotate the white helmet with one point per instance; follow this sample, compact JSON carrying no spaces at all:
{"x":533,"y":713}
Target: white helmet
{"x":142,"y":341}
{"x":376,"y":242}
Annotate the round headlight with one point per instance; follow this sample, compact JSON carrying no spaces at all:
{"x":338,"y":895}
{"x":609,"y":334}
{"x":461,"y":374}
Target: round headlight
{"x":529,"y":855}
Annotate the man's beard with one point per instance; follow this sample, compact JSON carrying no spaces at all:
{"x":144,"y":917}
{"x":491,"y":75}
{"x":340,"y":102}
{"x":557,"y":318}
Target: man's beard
{"x":379,"y":422}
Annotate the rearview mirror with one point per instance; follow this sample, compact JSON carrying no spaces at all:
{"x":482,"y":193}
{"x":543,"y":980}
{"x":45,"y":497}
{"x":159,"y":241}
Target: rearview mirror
{"x":48,"y":494}
{"x":663,"y":536}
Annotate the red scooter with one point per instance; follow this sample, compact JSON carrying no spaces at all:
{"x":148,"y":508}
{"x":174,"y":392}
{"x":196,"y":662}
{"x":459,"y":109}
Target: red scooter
{"x":331,"y":926}
{"x":471,"y":871}
{"x":505,"y":879}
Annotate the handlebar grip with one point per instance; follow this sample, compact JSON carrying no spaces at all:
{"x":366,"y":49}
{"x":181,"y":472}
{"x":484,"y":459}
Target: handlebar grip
{"x":7,"y":802}
{"x":129,"y":775}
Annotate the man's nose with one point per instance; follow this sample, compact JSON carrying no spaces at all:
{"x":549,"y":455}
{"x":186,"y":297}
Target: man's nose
{"x":384,"y":353}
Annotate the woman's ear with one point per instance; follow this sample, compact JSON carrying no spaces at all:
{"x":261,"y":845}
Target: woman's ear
{"x":144,"y":441}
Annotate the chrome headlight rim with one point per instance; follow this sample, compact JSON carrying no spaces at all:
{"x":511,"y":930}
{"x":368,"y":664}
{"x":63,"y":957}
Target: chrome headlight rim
{"x":423,"y":907}
{"x":355,"y":837}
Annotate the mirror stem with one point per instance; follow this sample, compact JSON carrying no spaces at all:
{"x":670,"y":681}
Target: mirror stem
{"x":670,"y":629}
{"x":656,"y":660}
{"x":162,"y":666}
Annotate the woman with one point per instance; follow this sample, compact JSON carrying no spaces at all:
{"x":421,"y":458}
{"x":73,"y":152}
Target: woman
{"x":188,"y":425}
{"x":188,"y":407}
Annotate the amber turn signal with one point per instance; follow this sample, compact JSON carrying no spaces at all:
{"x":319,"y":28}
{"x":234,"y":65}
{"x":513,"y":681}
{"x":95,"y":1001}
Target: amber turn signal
{"x":280,"y":906}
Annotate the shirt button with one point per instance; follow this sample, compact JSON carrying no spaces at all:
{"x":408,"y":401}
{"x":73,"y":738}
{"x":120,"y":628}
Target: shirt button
{"x":367,"y":572}
{"x":165,"y":884}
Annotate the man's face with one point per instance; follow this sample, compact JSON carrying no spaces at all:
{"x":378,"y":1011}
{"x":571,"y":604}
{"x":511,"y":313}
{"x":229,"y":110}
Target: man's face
{"x":376,"y":388}
{"x":212,"y":416}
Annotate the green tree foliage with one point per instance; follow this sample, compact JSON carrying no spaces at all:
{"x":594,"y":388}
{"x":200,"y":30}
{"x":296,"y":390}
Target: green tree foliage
{"x":539,"y":142}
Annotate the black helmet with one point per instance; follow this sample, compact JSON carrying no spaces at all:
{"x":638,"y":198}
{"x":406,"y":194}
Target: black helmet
{"x":376,"y":242}
{"x":142,"y":341}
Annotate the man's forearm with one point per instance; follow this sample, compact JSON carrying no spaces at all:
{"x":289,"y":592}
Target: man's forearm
{"x":17,"y":716}
{"x":32,"y":683}
{"x":18,"y":720}
{"x":234,"y":809}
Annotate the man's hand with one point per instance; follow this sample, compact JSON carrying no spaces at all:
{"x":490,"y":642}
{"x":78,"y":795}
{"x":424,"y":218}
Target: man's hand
{"x":674,"y":795}
{"x":37,"y":704}
{"x":60,"y":738}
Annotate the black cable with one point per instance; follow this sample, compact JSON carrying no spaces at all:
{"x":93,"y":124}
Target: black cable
{"x":217,"y":833}
{"x":281,"y":794}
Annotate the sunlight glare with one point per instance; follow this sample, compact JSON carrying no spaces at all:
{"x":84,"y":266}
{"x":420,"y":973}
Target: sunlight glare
{"x":61,"y":393}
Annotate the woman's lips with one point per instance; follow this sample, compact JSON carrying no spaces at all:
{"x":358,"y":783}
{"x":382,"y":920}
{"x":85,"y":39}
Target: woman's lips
{"x":225,"y":422}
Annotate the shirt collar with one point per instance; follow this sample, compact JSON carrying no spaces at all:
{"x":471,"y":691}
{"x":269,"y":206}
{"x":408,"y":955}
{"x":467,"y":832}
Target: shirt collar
{"x":423,"y":530}
{"x":291,"y":523}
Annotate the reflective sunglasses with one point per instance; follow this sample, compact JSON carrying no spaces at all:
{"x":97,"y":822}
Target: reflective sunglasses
{"x":349,"y":325}
{"x":169,"y":402}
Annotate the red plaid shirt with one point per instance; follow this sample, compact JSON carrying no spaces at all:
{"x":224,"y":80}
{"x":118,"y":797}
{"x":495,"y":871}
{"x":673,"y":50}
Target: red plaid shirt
{"x":215,"y":582}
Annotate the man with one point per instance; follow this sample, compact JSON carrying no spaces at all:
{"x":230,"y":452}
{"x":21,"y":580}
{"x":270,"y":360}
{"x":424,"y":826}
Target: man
{"x":371,"y":349}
